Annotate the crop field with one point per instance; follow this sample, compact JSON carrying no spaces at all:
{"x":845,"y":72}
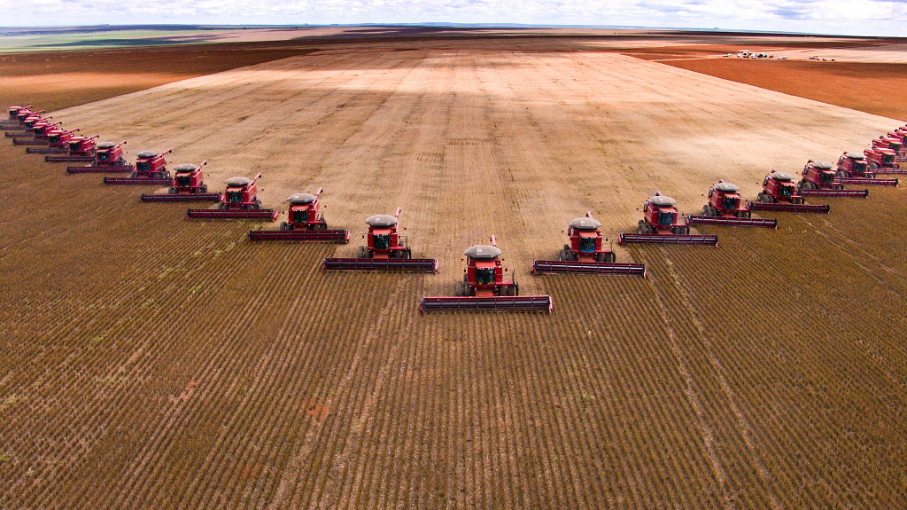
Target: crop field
{"x":154,"y":362}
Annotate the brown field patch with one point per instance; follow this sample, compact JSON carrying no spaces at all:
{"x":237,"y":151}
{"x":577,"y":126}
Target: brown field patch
{"x":872,"y":88}
{"x":153,"y":362}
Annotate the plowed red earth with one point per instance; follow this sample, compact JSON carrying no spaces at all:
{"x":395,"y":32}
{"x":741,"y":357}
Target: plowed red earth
{"x":151,"y":362}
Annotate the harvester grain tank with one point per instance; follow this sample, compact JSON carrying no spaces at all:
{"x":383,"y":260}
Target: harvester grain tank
{"x":727,"y":207}
{"x":57,"y":142}
{"x":239,"y":201}
{"x":485,"y":287}
{"x":779,"y":194}
{"x":187,"y":185}
{"x":586,"y":253}
{"x":305,"y":222}
{"x":386,"y":250}
{"x":150,"y":170}
{"x":80,"y":148}
{"x":108,"y":158}
{"x":819,"y":179}
{"x":661,"y":225}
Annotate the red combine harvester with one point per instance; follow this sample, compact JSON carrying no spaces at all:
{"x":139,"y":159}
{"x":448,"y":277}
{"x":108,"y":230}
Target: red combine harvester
{"x":13,"y":119}
{"x":305,"y":222}
{"x":150,"y":170}
{"x":27,"y":128}
{"x":585,"y":253}
{"x":386,"y":250}
{"x":892,"y":143}
{"x":39,"y":134}
{"x":882,"y":161}
{"x":80,"y":148}
{"x":779,"y":194}
{"x":661,"y":226}
{"x":820,"y":180}
{"x":108,"y":158}
{"x":726,"y":207}
{"x":57,"y":142}
{"x":484,"y":288}
{"x":239,"y":201}
{"x":852,"y":170}
{"x":188,"y":185}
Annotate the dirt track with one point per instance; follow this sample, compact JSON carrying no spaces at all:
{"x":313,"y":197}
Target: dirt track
{"x":155,"y":362}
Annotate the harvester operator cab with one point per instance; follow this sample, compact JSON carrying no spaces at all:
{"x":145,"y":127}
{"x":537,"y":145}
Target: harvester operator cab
{"x":240,"y":190}
{"x":665,"y":214}
{"x":484,"y":262}
{"x":585,"y":230}
{"x":303,"y":208}
{"x":104,"y":151}
{"x":144,"y":160}
{"x":382,"y":229}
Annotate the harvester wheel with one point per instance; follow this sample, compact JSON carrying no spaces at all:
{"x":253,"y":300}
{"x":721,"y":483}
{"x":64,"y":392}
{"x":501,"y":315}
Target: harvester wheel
{"x":873,"y":167}
{"x":570,"y":255}
{"x":643,"y":228}
{"x":460,"y":289}
{"x":610,"y":257}
{"x":515,"y":290}
{"x":841,"y":174}
{"x":361,"y":252}
{"x":562,"y":255}
{"x":283,"y":226}
{"x":172,"y":191}
{"x":204,"y":188}
{"x":406,"y":254}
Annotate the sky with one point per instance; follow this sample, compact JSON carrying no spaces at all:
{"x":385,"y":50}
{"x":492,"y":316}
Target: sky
{"x":853,"y":17}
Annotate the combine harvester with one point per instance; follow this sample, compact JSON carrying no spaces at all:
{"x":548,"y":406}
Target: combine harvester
{"x":57,"y":142}
{"x":386,"y":250}
{"x":660,"y":226}
{"x":585,"y":253}
{"x":79,"y":149}
{"x":484,"y":288}
{"x":778,"y":194}
{"x":40,"y":134}
{"x":150,"y":170}
{"x":820,"y":180}
{"x":882,"y":161}
{"x":305,"y":222}
{"x":892,"y":142}
{"x":188,"y":185}
{"x":108,"y":158}
{"x":726,"y":207}
{"x":13,"y":120}
{"x":239,"y":202}
{"x":26,"y":122}
{"x":852,"y":170}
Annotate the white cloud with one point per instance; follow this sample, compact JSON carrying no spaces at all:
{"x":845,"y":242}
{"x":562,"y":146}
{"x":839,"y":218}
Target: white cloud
{"x":859,"y":17}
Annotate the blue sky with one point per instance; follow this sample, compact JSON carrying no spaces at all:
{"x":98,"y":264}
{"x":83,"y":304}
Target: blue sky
{"x":855,"y":17}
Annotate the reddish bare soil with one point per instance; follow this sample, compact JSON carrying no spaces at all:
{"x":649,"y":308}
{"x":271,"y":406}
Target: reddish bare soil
{"x":880,"y":89}
{"x":152,"y":362}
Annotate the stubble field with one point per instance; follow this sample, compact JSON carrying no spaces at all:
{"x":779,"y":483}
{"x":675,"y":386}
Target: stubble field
{"x":154,"y":362}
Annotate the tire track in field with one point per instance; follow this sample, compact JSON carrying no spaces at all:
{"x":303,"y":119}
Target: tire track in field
{"x":744,"y":428}
{"x":691,"y":392}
